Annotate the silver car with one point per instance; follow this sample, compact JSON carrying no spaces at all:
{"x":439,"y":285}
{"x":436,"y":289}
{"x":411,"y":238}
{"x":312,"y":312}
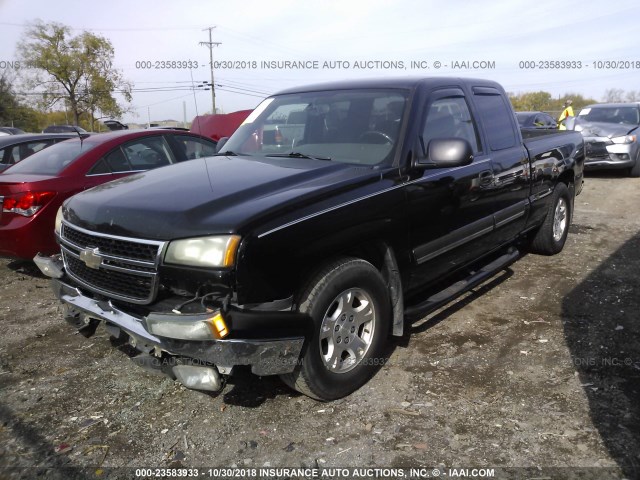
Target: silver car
{"x":610,"y":132}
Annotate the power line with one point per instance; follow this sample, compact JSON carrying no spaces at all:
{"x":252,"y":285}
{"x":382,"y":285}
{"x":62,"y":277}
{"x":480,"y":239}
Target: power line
{"x":242,"y":93}
{"x":242,"y":89}
{"x":211,"y":44}
{"x":98,"y":29}
{"x":163,"y":101}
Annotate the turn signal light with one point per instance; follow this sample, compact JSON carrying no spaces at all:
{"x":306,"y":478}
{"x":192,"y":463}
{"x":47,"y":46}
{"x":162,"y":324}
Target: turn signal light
{"x":219,"y":326}
{"x":26,"y":203}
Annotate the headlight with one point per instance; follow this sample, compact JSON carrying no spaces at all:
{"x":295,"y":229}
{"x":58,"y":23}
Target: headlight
{"x":217,"y":251}
{"x":625,"y":139}
{"x":58,"y":224}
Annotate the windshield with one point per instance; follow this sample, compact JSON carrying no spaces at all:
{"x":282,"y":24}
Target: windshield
{"x":522,"y":118}
{"x":51,"y":160}
{"x":348,"y":126}
{"x":621,"y":115}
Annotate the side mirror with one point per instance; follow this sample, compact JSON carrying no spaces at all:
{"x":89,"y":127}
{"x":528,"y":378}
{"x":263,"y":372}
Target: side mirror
{"x":221,"y":144}
{"x":447,"y":153}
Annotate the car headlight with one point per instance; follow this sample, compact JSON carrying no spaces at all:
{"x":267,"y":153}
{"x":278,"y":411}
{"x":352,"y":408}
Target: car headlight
{"x":624,"y":139}
{"x":215,"y":251}
{"x":58,"y":224}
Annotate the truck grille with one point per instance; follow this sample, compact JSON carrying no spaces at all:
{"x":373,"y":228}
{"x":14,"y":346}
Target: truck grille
{"x":120,"y":268}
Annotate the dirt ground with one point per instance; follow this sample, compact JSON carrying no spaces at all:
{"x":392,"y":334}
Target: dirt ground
{"x":538,"y":368}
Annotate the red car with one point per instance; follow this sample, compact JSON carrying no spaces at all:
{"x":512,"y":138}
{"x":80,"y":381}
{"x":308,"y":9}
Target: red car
{"x":32,"y":191}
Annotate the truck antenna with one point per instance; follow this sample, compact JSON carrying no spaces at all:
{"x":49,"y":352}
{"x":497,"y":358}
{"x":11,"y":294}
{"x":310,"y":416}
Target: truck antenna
{"x":195,"y":102}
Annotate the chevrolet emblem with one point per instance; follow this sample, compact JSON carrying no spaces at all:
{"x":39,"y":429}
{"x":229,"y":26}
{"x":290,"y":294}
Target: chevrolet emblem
{"x":91,"y":257}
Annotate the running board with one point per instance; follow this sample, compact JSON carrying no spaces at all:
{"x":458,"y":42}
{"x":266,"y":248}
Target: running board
{"x":443,"y":297}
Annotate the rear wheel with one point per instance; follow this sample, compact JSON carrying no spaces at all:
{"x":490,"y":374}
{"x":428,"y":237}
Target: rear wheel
{"x":349,"y":304}
{"x":552,"y":234}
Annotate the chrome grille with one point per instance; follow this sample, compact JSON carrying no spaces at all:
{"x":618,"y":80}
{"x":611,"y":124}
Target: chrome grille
{"x":128,"y":268}
{"x":110,"y":245}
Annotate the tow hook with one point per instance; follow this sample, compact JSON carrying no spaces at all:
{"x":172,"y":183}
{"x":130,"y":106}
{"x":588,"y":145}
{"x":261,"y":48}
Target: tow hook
{"x":85,"y":325}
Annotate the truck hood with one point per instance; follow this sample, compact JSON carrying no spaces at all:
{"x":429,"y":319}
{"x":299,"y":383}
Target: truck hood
{"x":599,"y":129}
{"x":210,"y":196}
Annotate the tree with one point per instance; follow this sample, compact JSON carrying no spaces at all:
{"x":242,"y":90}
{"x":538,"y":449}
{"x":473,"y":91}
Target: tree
{"x":76,"y":70}
{"x":12,"y":112}
{"x":543,"y":101}
{"x":579,"y":101}
{"x":632,"y":96}
{"x":531,"y":101}
{"x":7,"y":100}
{"x":614,"y":95}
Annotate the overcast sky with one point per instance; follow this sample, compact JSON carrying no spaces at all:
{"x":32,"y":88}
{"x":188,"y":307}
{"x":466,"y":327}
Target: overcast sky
{"x":383,"y":37}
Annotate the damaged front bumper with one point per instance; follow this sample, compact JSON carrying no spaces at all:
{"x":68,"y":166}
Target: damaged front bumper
{"x":267,"y":341}
{"x":601,"y":153}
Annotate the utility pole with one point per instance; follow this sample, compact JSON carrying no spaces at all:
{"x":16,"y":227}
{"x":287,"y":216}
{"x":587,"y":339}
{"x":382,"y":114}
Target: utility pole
{"x":211,"y":44}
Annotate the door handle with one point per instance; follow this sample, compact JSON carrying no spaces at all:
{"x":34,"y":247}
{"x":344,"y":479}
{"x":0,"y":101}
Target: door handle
{"x":486,"y":178}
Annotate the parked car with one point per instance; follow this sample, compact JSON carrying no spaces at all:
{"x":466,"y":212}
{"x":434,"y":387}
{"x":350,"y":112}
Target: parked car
{"x":536,"y":120}
{"x":32,"y":190}
{"x":610,"y":133}
{"x":300,"y":253}
{"x":180,"y":129}
{"x":64,"y":129}
{"x":115,"y":125}
{"x":219,"y":125}
{"x":15,"y":148}
{"x":11,"y":130}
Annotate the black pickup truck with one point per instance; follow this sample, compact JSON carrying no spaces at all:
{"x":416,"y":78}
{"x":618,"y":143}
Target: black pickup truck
{"x":334,"y":214}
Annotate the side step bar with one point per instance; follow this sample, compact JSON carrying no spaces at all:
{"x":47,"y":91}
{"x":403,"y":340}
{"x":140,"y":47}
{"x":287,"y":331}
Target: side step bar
{"x":443,"y":297}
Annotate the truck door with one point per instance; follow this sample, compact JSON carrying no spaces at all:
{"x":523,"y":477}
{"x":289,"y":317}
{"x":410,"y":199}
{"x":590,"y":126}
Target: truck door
{"x":509,"y":161}
{"x":450,"y":209}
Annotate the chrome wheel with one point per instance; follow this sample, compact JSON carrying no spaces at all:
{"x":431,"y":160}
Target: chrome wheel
{"x":347,"y":330}
{"x":560,"y":219}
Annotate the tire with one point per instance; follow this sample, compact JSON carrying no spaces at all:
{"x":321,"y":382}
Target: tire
{"x":349,"y":304}
{"x":635,"y":170}
{"x":552,"y":234}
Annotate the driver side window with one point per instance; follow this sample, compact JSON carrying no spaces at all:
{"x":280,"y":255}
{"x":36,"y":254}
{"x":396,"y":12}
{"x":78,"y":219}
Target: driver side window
{"x":450,"y":118}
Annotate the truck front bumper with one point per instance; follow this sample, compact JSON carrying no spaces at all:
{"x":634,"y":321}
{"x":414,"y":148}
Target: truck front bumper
{"x":268,"y":351}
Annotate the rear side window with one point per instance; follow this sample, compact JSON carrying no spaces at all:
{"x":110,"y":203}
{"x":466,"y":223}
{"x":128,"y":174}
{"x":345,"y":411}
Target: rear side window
{"x":137,"y":155}
{"x":194,"y":147}
{"x":100,"y":168}
{"x":147,"y":153}
{"x":117,"y":162}
{"x":496,"y":119}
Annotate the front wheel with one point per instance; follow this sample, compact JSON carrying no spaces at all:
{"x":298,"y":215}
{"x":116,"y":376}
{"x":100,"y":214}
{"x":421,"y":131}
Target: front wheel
{"x":349,"y":304}
{"x":552,"y":234}
{"x":635,"y":170}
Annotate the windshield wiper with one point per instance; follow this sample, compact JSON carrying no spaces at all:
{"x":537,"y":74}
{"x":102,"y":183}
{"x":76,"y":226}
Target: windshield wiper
{"x":298,"y":155}
{"x":228,"y":153}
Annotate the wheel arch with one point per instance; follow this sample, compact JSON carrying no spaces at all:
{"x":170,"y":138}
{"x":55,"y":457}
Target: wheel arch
{"x":382,"y":256}
{"x":568,"y":178}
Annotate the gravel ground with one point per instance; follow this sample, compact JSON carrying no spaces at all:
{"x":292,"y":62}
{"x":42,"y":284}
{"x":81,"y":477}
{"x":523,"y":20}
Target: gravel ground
{"x":538,"y":368}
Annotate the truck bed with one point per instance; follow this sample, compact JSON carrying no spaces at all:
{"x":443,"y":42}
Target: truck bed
{"x":559,"y":144}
